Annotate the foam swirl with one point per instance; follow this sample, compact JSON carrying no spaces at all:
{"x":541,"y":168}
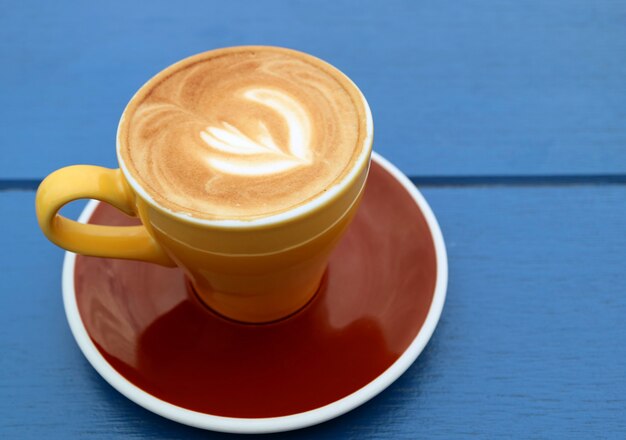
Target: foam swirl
{"x":242,"y":133}
{"x":262,"y":156}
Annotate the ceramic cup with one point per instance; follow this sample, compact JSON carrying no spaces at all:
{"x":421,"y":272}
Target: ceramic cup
{"x":251,"y":271}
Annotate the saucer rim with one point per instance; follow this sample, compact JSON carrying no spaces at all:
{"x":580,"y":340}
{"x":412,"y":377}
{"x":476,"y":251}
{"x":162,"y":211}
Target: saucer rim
{"x":290,"y":422}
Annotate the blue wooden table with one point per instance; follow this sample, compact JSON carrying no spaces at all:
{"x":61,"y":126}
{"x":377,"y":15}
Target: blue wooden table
{"x":509,"y":115}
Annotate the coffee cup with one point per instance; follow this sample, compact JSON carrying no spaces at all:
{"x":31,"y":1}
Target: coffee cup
{"x":245,"y":166}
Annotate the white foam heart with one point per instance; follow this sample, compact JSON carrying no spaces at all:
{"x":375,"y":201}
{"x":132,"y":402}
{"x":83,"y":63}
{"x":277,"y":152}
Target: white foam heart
{"x":260,"y":155}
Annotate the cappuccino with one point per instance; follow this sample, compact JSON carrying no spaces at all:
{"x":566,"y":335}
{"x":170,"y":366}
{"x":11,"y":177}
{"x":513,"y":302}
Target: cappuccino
{"x":242,"y":133}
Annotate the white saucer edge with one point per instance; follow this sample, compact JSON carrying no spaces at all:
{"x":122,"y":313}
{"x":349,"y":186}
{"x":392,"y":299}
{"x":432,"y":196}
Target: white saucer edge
{"x":269,"y":424}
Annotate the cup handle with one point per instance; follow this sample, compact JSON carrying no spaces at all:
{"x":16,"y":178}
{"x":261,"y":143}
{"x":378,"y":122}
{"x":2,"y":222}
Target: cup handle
{"x":92,"y":182}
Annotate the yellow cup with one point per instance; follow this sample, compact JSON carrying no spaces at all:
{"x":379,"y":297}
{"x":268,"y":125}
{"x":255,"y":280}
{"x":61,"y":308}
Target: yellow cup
{"x":251,"y":271}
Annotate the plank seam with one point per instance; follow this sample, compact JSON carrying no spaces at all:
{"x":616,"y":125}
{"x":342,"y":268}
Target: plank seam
{"x":435,"y":181}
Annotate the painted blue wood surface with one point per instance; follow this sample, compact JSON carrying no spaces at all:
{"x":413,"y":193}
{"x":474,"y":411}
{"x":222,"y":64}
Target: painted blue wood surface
{"x":469,"y":88}
{"x":532,"y":341}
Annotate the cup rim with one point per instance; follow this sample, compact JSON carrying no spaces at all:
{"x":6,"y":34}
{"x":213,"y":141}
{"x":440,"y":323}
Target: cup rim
{"x":269,"y":424}
{"x":318,"y":202}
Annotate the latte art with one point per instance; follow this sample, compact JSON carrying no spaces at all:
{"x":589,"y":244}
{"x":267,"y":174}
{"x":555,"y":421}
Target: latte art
{"x":242,"y":133}
{"x":261,"y":155}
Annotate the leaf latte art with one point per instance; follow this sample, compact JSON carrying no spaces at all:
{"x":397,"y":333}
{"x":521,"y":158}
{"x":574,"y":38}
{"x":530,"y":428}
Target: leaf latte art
{"x":242,"y":133}
{"x":245,"y":151}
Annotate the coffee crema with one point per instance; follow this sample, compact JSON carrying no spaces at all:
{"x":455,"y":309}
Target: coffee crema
{"x":242,"y":133}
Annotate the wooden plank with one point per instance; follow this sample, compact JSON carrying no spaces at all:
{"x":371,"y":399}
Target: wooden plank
{"x":456,"y":88}
{"x":531,"y":342}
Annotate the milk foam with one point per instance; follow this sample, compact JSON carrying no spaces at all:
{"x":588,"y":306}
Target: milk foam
{"x":242,"y":133}
{"x":260,"y":155}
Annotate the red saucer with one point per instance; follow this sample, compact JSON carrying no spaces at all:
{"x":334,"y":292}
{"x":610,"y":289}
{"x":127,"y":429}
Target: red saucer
{"x":152,"y":330}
